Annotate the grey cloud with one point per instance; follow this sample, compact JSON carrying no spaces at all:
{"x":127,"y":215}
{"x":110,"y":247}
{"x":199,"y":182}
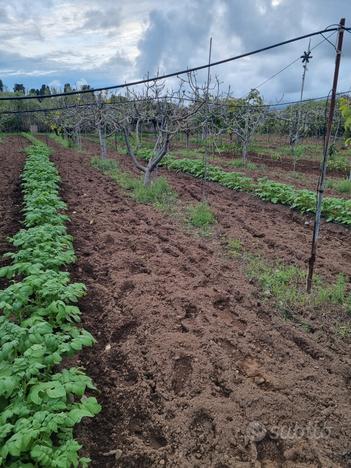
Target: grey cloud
{"x":102,"y":19}
{"x":3,"y":16}
{"x":173,"y":36}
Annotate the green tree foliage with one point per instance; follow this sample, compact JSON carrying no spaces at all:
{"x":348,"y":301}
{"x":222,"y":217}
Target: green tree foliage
{"x":345,"y":107}
{"x":19,"y":88}
{"x":45,"y":90}
{"x":244,"y":117}
{"x":67,"y":88}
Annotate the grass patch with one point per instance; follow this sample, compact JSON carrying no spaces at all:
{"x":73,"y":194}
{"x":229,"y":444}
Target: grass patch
{"x":234,"y":247}
{"x":341,"y":186}
{"x":61,"y":141}
{"x":283,"y":287}
{"x":158,"y":193}
{"x":188,"y":153}
{"x":244,"y":164}
{"x":286,"y":285}
{"x":297,"y":176}
{"x":339,"y":163}
{"x":201,"y":216}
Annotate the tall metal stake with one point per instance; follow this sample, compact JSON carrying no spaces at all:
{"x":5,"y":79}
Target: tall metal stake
{"x":322,"y":177}
{"x":205,"y":159}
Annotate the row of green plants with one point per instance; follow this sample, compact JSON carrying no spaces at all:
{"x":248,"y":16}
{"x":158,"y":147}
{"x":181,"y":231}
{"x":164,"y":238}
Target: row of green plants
{"x":41,"y":400}
{"x":334,"y":209}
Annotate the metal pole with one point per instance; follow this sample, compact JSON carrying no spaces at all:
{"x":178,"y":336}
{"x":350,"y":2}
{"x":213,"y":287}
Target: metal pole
{"x":322,"y":177}
{"x":205,"y":159}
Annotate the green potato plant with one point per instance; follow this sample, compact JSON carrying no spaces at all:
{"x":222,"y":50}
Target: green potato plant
{"x":39,"y":406}
{"x":334,"y":209}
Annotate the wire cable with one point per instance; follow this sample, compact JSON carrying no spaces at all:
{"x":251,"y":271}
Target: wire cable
{"x":294,"y":61}
{"x":213,"y":104}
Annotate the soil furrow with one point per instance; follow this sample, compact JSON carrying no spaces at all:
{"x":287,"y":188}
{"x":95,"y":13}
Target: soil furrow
{"x":11,"y":165}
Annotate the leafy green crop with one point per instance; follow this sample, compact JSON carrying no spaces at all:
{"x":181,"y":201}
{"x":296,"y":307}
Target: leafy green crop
{"x":39,"y":406}
{"x":334,"y":209}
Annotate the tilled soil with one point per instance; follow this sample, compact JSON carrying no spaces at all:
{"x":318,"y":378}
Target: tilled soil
{"x":303,"y":165}
{"x":192,"y":369}
{"x":276,"y":231}
{"x":11,"y":164}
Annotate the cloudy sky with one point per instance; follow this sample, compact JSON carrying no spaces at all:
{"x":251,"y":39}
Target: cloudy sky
{"x":105,"y":42}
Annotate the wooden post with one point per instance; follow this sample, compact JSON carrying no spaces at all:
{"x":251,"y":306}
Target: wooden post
{"x":322,"y":177}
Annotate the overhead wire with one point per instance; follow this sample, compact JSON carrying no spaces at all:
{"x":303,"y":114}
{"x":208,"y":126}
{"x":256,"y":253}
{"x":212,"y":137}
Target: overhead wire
{"x":216,"y":104}
{"x":294,"y":61}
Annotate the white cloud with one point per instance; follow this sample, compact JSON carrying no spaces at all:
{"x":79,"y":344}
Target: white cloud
{"x":109,"y":41}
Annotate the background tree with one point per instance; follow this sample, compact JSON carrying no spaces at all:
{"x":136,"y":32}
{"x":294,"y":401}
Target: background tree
{"x":44,"y":90}
{"x":67,"y":88}
{"x":165,"y":112}
{"x":345,"y":108}
{"x":243,"y":118}
{"x":19,"y":88}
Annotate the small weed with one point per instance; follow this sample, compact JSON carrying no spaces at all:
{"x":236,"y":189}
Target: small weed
{"x":306,"y":327}
{"x":106,"y":165}
{"x":201,"y":215}
{"x":234,"y":247}
{"x":277,"y":156}
{"x":297,"y":176}
{"x":280,"y":282}
{"x":344,"y":331}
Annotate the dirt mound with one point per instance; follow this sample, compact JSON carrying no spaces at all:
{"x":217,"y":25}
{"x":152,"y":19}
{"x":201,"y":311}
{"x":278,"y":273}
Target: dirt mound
{"x":11,"y":164}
